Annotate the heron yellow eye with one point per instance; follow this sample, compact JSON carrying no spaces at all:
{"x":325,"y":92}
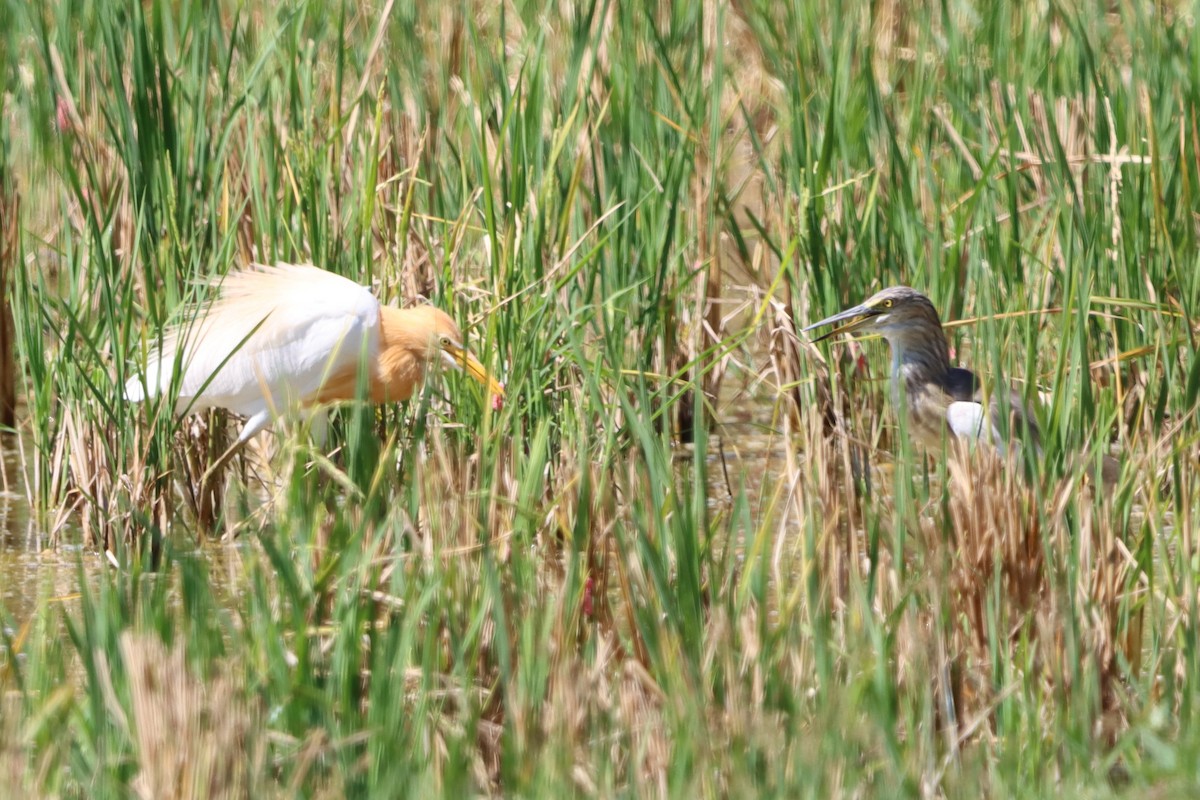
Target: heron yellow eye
{"x":887,"y":303}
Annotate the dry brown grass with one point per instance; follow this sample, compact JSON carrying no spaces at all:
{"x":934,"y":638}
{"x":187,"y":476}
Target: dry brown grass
{"x":10,"y":255}
{"x":1007,"y":572}
{"x":117,"y":495}
{"x":15,"y":777}
{"x":956,"y":594}
{"x":195,"y":738}
{"x":1003,"y":565}
{"x":112,"y":497}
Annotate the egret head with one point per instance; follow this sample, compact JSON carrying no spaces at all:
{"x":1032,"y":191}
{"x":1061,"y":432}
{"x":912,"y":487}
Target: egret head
{"x":442,"y":337}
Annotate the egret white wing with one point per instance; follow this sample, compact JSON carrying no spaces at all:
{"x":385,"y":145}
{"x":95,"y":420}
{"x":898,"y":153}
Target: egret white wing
{"x":271,"y":339}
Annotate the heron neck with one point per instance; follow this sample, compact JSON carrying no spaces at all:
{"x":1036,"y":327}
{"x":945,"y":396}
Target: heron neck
{"x":919,"y":361}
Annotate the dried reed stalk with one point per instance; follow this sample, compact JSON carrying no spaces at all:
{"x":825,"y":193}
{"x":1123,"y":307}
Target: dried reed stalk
{"x":1009,"y":581}
{"x":15,"y":760}
{"x":194,"y":738}
{"x":10,"y":203}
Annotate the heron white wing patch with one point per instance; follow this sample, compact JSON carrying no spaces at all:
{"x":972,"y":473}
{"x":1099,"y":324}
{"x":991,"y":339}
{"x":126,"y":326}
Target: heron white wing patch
{"x":971,"y":420}
{"x":274,"y":335}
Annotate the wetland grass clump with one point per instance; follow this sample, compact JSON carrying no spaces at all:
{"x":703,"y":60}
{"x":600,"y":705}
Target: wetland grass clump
{"x":10,"y":257}
{"x":633,"y":212}
{"x":194,"y":738}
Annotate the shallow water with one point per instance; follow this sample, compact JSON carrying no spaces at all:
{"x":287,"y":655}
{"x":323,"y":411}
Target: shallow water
{"x":744,"y":455}
{"x":36,"y":577}
{"x":28,"y":569}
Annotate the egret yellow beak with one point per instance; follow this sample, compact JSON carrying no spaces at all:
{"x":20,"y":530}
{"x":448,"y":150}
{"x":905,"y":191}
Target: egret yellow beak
{"x":470,"y":364}
{"x":855,"y":318}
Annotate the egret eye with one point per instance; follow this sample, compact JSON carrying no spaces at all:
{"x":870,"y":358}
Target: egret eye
{"x":445,"y":341}
{"x":887,"y":303}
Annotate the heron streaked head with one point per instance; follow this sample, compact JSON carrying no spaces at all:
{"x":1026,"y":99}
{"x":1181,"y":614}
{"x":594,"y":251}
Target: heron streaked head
{"x":896,"y":313}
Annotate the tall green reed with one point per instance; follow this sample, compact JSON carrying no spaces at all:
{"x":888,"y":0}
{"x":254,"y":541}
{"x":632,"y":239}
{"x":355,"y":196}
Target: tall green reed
{"x":546,"y":597}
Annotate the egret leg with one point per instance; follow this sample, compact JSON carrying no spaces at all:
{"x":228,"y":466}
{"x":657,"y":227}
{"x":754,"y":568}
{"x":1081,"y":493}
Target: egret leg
{"x":253,"y":425}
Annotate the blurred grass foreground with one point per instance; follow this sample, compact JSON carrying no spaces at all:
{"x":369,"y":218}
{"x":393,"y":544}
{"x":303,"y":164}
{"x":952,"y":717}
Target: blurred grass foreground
{"x":692,"y":554}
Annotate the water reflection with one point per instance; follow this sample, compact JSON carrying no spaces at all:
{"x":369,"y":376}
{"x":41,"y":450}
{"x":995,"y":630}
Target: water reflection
{"x":747,"y":449}
{"x":29,"y":572}
{"x":746,"y":455}
{"x":35,"y":577}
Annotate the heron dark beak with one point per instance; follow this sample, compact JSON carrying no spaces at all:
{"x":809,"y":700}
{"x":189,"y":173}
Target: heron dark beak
{"x":858,"y":317}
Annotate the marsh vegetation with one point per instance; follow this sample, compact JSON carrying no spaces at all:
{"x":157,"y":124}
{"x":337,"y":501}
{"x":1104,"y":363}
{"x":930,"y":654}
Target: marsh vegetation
{"x":691,"y":554}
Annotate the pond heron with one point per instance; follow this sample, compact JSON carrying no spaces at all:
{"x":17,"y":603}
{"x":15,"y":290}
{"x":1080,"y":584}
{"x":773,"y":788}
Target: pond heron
{"x":940,"y":399}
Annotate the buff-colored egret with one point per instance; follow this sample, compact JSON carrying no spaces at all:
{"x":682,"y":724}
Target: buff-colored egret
{"x":290,"y":336}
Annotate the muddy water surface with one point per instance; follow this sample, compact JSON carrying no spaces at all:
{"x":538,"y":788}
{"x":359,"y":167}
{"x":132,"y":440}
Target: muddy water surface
{"x":745,"y":455}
